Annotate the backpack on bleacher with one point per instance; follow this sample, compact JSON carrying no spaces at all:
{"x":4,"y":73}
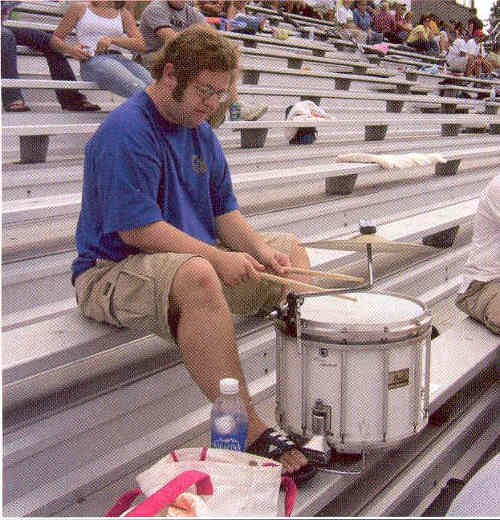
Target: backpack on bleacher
{"x":303,"y":111}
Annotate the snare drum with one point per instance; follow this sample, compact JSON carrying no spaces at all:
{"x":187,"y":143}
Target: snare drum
{"x":366,"y":361}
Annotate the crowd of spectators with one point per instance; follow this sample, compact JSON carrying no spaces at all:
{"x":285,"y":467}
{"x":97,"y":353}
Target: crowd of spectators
{"x":99,"y":47}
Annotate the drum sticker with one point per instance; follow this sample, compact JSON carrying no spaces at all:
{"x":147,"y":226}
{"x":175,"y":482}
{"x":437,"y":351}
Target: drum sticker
{"x":399,"y":378}
{"x":323,"y":358}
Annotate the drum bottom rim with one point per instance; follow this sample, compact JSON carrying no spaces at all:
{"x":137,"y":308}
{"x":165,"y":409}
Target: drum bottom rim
{"x":358,"y":447}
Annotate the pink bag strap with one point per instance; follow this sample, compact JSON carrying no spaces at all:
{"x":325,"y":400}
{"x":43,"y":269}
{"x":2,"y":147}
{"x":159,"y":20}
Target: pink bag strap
{"x":174,"y":456}
{"x":167,"y":494}
{"x":124,"y":502}
{"x":290,"y":494}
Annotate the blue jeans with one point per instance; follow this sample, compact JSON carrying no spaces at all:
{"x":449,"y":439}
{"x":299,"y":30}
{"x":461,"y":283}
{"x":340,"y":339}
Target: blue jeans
{"x":58,"y":64}
{"x":424,"y":45}
{"x":374,"y":37}
{"x":116,"y":73}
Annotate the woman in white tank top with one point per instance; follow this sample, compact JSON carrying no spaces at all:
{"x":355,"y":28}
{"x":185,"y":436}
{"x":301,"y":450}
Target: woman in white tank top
{"x":102,"y":29}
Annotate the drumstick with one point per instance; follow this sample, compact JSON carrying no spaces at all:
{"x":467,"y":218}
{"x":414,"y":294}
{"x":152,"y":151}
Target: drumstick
{"x":324,"y":274}
{"x":301,"y":285}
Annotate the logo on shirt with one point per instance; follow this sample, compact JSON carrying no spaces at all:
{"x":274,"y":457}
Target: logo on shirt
{"x":199,"y":165}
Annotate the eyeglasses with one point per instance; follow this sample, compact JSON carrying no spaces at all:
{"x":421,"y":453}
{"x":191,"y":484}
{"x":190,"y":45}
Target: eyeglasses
{"x":206,"y":92}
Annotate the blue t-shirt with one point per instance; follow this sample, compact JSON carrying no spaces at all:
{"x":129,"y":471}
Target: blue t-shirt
{"x":140,"y":169}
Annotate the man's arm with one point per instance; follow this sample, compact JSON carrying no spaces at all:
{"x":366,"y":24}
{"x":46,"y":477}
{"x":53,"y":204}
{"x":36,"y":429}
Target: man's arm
{"x":237,"y":234}
{"x":162,"y":237}
{"x":166,"y":33}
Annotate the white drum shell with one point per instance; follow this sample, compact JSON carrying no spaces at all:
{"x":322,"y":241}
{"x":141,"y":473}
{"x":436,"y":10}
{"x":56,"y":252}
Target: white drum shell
{"x":374,"y":381}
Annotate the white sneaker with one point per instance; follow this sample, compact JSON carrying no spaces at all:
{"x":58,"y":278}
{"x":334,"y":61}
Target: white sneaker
{"x":252,"y":112}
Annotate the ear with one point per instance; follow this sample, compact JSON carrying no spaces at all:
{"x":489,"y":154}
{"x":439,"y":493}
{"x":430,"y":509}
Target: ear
{"x":168,"y":77}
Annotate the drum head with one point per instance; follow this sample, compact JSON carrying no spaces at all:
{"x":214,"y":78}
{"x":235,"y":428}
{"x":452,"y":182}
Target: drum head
{"x":372,"y":312}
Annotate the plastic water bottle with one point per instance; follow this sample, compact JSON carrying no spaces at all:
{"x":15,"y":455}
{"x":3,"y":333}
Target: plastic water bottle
{"x":229,"y":419}
{"x":235,"y":111}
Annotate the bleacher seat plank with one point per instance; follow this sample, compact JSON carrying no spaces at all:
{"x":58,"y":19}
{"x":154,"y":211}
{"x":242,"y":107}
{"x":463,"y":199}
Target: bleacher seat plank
{"x":19,"y":364}
{"x":42,"y":179}
{"x":16,"y":211}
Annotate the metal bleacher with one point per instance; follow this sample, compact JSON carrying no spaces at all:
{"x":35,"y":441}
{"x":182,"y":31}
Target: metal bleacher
{"x":87,"y":406}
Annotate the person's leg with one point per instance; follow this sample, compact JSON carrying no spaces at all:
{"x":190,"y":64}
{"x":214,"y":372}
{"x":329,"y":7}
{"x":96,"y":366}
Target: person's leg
{"x":175,"y":296}
{"x":136,"y":69}
{"x":205,"y":335}
{"x":10,"y":96}
{"x":486,"y":66}
{"x":110,"y":74}
{"x":58,"y":64}
{"x":434,"y":45}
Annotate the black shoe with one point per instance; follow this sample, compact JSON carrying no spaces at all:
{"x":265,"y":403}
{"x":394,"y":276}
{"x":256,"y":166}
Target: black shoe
{"x":84,"y":106}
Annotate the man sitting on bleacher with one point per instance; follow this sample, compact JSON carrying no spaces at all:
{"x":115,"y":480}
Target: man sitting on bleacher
{"x":157,"y":195}
{"x":479,"y":294}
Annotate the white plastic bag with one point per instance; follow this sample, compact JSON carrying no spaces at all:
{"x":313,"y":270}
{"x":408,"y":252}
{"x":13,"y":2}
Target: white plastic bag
{"x":304,"y":111}
{"x":242,"y":484}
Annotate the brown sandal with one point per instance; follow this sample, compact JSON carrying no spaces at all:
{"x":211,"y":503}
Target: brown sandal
{"x":18,"y":106}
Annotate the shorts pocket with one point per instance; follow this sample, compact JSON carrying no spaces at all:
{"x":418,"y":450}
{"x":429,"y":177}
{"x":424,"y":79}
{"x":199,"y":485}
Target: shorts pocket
{"x":133,"y":302}
{"x":492,"y":314}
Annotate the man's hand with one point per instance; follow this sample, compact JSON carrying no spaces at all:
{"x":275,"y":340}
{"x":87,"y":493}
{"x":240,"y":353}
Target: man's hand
{"x":234,"y":268}
{"x":273,"y":258}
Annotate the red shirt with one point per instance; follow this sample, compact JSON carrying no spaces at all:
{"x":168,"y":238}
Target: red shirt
{"x":383,"y":22}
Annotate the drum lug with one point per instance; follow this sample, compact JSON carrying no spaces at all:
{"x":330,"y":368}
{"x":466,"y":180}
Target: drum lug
{"x":290,"y":319}
{"x":278,"y":414}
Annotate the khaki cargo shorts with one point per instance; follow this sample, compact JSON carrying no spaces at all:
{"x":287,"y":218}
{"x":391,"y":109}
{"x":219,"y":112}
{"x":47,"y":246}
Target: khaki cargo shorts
{"x":481,"y":301}
{"x":134,"y":292}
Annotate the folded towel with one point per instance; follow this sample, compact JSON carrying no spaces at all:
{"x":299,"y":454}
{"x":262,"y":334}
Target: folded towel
{"x":406,"y":160}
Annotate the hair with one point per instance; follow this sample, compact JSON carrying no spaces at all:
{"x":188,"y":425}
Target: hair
{"x":476,"y":23}
{"x":424,"y":18}
{"x":193,"y":50}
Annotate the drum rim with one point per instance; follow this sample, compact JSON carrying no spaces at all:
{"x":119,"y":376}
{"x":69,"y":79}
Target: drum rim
{"x":367,"y":327}
{"x":345,"y":334}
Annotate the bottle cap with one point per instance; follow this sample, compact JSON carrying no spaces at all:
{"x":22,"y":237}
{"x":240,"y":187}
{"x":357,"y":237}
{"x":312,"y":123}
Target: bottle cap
{"x":229,"y":386}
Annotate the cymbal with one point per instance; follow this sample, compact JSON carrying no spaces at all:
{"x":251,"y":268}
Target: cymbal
{"x":379,"y":245}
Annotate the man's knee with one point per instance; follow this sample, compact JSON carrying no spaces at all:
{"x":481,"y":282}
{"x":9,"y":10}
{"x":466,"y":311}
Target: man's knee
{"x":196,"y":283}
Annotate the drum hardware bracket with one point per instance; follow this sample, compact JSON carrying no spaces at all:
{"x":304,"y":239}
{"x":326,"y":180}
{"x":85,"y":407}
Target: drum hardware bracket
{"x":318,"y":448}
{"x":289,"y":317}
{"x":334,"y":465}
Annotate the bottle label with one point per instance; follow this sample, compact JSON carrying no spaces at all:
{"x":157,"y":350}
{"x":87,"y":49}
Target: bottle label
{"x":228,"y":443}
{"x":228,"y":434}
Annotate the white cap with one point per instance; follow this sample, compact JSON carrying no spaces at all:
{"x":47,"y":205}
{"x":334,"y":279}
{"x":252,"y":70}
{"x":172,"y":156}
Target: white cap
{"x":229,"y":386}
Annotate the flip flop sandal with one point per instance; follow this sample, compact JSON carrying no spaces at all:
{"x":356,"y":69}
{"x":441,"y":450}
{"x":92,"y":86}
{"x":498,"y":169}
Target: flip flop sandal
{"x":274,"y":444}
{"x":18,"y":106}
